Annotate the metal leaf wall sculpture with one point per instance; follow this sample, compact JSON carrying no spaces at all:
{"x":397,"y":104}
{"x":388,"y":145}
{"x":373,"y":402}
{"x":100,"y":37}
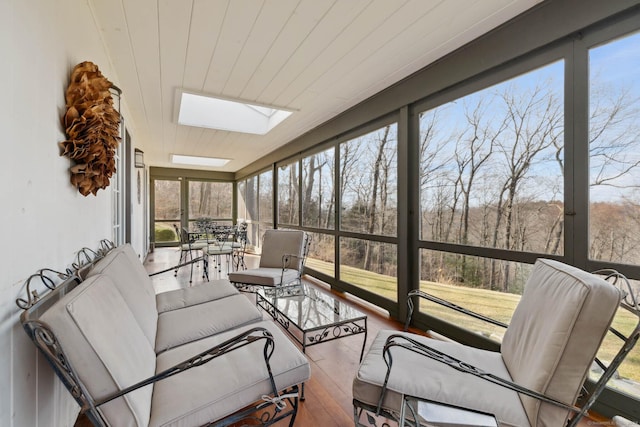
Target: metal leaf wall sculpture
{"x":93,"y":129}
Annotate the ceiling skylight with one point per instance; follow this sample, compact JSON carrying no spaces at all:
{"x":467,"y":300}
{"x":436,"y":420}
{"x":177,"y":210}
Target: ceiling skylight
{"x":225,"y":114}
{"x":198,"y":161}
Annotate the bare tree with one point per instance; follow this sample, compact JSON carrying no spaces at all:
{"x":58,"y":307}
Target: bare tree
{"x":373,"y":210}
{"x":613,"y":134}
{"x":534,"y":123}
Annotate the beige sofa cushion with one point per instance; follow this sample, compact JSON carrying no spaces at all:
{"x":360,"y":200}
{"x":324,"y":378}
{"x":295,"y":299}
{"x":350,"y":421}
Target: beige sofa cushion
{"x":107,"y":348}
{"x":555,"y":333}
{"x":226,"y":384}
{"x":419,"y":376}
{"x":199,"y":321}
{"x":122,"y":266}
{"x":198,"y":294}
{"x":264,"y":276}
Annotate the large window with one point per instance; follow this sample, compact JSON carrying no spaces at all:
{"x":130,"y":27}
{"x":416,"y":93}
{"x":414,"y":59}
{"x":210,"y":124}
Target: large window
{"x":256,"y":194}
{"x":318,"y":190}
{"x":491,"y":166}
{"x":614,"y":151}
{"x":242,"y":203}
{"x":210,"y":200}
{"x":167,"y":209}
{"x":370,"y":265}
{"x":188,"y":200}
{"x":614,"y":174}
{"x":251,"y":198}
{"x":265,"y":198}
{"x":441,"y":274}
{"x":368,"y":206}
{"x":288,"y":194}
{"x":369,"y":182}
{"x":318,"y":208}
{"x":322,"y":253}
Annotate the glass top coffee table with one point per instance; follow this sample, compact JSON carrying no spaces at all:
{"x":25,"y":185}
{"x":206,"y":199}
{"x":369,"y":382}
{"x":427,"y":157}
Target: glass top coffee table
{"x":312,"y":316}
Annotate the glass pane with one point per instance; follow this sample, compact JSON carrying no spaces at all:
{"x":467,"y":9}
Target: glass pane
{"x":370,"y":265}
{"x":322,"y":253}
{"x":614,"y":151}
{"x":369,"y":182}
{"x":627,"y":377}
{"x":210,"y":199}
{"x":288,"y":194}
{"x":166,"y":210}
{"x":265,"y":197}
{"x":254,"y":237}
{"x":490,"y":287}
{"x":252,"y":199}
{"x":491,"y":166}
{"x":242,"y":204}
{"x":318,"y":195}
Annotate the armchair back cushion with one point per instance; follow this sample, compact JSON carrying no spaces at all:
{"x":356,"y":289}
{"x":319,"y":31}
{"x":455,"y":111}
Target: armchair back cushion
{"x":549,"y":348}
{"x":276,"y":243}
{"x":109,"y":351}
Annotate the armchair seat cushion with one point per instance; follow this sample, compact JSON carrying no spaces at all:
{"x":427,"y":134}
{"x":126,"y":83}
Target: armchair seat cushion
{"x":218,"y":388}
{"x":264,"y":276}
{"x":195,"y":246}
{"x":437,"y":381}
{"x":185,"y":297}
{"x":177,"y":327}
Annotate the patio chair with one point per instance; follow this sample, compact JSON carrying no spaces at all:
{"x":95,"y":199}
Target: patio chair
{"x":239,"y":246}
{"x":283,"y":256}
{"x":217,"y":247}
{"x":188,"y":246}
{"x":534,"y":380}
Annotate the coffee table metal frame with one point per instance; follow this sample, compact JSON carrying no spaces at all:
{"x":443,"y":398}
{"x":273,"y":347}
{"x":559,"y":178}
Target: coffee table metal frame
{"x":347,"y":321}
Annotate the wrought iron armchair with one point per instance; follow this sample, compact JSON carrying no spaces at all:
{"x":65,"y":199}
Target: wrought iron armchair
{"x":284,"y":253}
{"x":537,"y":377}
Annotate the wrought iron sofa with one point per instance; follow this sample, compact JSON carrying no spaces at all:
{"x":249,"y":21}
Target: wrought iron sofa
{"x":196,"y":356}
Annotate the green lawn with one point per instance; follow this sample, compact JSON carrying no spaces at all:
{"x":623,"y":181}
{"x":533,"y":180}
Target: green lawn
{"x":497,"y":305}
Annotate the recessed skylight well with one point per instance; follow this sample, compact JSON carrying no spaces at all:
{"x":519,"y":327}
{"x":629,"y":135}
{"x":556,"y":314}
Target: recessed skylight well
{"x":198,"y":161}
{"x":228,"y":114}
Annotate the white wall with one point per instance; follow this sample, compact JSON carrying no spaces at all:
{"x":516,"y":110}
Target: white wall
{"x":44,"y":219}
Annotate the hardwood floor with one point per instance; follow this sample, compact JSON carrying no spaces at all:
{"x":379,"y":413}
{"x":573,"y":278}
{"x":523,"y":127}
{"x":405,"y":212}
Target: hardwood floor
{"x":333,"y":364}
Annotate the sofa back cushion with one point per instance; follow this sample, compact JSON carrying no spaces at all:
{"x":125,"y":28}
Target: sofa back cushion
{"x":277,"y":243}
{"x":555,"y":333}
{"x":103,"y":342}
{"x":122,"y":266}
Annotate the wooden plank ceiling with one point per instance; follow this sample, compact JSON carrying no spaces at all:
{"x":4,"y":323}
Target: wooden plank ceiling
{"x":318,"y":57}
